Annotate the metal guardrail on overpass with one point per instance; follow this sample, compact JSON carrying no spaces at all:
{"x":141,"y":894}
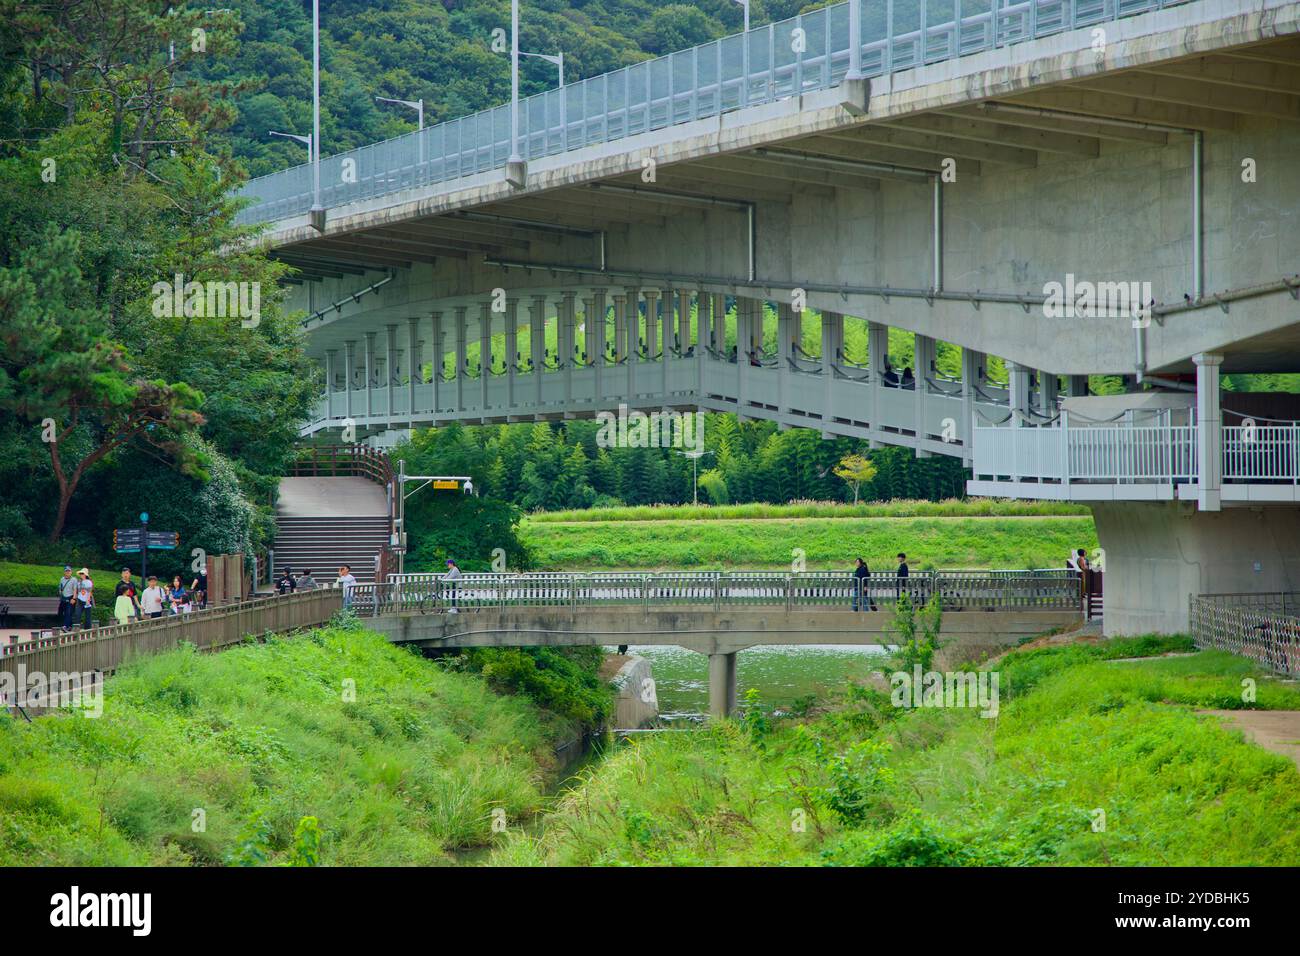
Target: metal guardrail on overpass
{"x":958,"y":590}
{"x":745,"y":69}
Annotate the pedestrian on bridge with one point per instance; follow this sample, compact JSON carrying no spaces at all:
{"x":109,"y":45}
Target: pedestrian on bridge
{"x":306,"y":582}
{"x":347,"y":582}
{"x":126,"y":605}
{"x":452,"y":577}
{"x":862,"y":588}
{"x":902,"y":575}
{"x":287,"y":582}
{"x":67,"y":598}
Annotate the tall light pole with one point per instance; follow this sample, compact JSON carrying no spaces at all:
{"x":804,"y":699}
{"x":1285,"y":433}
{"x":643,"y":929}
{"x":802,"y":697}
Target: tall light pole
{"x":745,"y":4}
{"x":516,"y":170}
{"x":855,"y":40}
{"x":695,"y":457}
{"x":558,"y":60}
{"x":305,"y":140}
{"x":317,"y":210}
{"x":418,"y":106}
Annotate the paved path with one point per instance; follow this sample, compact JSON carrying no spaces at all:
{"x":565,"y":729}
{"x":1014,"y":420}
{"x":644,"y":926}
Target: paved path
{"x":1275,"y":730}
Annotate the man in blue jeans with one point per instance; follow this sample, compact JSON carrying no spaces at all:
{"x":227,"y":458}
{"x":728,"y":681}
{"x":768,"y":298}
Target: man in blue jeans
{"x":67,"y":598}
{"x":862,"y":588}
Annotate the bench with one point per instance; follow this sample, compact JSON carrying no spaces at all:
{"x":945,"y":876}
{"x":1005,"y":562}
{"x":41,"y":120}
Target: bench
{"x":28,"y":607}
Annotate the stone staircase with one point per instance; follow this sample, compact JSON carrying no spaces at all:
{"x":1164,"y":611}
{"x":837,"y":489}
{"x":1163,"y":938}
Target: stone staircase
{"x":334,"y":510}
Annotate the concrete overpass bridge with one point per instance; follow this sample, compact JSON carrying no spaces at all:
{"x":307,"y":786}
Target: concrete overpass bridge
{"x":1076,"y":186}
{"x":715,"y":613}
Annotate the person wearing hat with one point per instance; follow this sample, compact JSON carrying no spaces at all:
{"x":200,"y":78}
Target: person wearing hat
{"x":86,"y":599}
{"x":452,"y":577}
{"x":126,"y":605}
{"x":67,"y":597}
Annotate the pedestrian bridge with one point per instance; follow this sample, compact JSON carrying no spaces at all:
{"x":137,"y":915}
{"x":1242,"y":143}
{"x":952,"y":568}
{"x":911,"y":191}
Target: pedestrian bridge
{"x":716,"y":613}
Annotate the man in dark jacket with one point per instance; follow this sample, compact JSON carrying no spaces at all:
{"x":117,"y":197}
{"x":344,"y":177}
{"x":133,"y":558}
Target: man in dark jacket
{"x":861,"y":590}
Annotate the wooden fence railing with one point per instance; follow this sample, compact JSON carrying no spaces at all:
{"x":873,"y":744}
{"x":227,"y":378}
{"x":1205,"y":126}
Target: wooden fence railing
{"x":1256,"y":626}
{"x":104,"y":649}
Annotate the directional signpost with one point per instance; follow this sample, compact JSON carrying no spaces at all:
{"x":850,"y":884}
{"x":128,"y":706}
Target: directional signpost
{"x":140,"y":540}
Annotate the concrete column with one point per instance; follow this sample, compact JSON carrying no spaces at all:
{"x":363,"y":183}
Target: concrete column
{"x":1209,"y":431}
{"x":684,"y":323}
{"x":722,"y":685}
{"x":703,"y":338}
{"x":484,"y":356}
{"x":666,"y":339}
{"x":588,"y":325}
{"x":329,"y":382}
{"x":971,"y":363}
{"x":651,"y":323}
{"x":1018,"y":387}
{"x":1076,"y":386}
{"x":596,"y":341}
{"x":633,"y":339}
{"x":512,"y":352}
{"x":878,"y":359}
{"x":744,"y":345}
{"x":390,"y":369}
{"x":350,"y":358}
{"x":412,"y":369}
{"x":786,"y":323}
{"x":620,"y":330}
{"x":832,"y":332}
{"x":537,"y":337}
{"x":436,"y":363}
{"x":924,"y":352}
{"x":719,"y":326}
{"x":1048,"y":387}
{"x":462,"y":357}
{"x":565,"y":346}
{"x":370,"y":373}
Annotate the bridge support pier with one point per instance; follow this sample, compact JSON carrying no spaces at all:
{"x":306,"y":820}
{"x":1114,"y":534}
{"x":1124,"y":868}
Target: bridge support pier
{"x":722,"y":685}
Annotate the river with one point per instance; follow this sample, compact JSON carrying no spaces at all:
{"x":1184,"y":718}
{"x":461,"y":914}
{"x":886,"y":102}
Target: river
{"x":782,"y":675}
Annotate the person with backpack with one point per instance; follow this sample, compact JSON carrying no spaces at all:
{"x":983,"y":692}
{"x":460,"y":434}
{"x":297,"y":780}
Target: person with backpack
{"x":287,"y":583}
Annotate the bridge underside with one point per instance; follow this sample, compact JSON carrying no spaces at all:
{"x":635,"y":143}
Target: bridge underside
{"x":969,"y":636}
{"x":967,"y":201}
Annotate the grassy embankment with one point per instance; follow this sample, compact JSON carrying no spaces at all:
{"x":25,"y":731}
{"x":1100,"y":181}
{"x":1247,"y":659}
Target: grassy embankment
{"x":1080,"y":734}
{"x":947,"y":534}
{"x":203,"y":759}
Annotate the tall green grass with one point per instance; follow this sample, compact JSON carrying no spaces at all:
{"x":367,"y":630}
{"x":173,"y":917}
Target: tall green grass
{"x":950,"y":508}
{"x":822,"y":543}
{"x":1092,"y":761}
{"x":250,"y":741}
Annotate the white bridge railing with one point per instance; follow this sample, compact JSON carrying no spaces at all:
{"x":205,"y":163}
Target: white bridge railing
{"x":1160,"y":453}
{"x":957,"y":590}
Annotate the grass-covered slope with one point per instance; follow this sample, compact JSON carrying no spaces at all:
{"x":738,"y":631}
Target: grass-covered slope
{"x":1092,"y":761}
{"x":929,"y":542}
{"x":208,"y":759}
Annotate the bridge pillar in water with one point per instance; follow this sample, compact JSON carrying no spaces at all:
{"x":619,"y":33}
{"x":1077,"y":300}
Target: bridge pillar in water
{"x":722,"y":685}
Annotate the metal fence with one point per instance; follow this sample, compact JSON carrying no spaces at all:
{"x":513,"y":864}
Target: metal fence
{"x":780,"y":60}
{"x":957,"y":590}
{"x":1260,"y":627}
{"x":103,"y":649}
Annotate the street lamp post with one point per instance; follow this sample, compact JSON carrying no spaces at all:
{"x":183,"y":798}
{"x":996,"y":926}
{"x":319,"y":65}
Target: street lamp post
{"x":744,"y":81}
{"x":305,"y":140}
{"x":695,"y":457}
{"x":745,"y":4}
{"x":558,"y":60}
{"x":516,"y":169}
{"x":317,"y":210}
{"x":418,"y":106}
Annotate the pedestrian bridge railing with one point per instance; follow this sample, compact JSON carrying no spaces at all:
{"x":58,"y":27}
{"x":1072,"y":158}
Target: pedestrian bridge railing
{"x":957,"y":590}
{"x":103,"y":649}
{"x":1262,"y":627}
{"x":779,"y":60}
{"x":1122,"y":453}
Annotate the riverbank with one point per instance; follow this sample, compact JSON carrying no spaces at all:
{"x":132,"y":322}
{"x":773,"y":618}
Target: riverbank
{"x":332,"y":746}
{"x":1092,"y":760}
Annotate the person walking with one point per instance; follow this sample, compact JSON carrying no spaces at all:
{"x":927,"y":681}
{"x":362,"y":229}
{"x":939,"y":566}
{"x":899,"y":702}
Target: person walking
{"x":151,"y":601}
{"x":199,"y":587}
{"x":861,"y":577}
{"x":902,"y":575}
{"x":452,"y":578}
{"x":85,"y":599}
{"x":67,"y":598}
{"x":347,"y":582}
{"x":126,"y":603}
